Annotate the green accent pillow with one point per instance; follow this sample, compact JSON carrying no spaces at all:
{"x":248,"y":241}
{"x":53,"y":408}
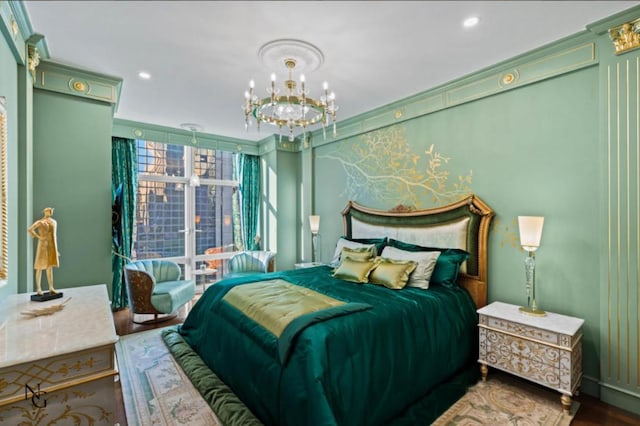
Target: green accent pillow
{"x":355,"y":270}
{"x":393,"y":274}
{"x":380,"y":243}
{"x":447,"y":266}
{"x":360,"y":253}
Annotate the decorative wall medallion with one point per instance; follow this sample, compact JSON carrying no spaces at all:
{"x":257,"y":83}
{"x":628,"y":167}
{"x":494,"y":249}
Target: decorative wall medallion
{"x":399,"y":113}
{"x":14,"y":26}
{"x":626,"y":37}
{"x":79,"y":86}
{"x":137,"y":133}
{"x":508,"y":78}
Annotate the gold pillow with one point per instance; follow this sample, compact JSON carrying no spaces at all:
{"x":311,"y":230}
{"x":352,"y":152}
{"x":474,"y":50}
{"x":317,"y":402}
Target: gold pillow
{"x":355,"y":270}
{"x":360,"y":253}
{"x":393,"y":274}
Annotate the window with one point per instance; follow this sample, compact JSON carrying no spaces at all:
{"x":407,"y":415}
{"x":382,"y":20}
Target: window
{"x":186,"y":207}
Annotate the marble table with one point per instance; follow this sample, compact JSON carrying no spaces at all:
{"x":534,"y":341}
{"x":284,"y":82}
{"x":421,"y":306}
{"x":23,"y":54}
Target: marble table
{"x":59,"y":366}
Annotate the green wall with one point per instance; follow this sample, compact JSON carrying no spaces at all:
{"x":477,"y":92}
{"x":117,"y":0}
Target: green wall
{"x":72,"y":173}
{"x":619,"y":230}
{"x":562,"y":141}
{"x":529,"y":151}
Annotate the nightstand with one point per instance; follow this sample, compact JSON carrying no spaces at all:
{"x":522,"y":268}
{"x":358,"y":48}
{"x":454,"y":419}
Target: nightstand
{"x":545,"y":350}
{"x":303,"y":265}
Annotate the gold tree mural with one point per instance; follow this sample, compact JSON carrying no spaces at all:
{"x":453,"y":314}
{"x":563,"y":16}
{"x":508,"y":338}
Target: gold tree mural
{"x":382,"y":165}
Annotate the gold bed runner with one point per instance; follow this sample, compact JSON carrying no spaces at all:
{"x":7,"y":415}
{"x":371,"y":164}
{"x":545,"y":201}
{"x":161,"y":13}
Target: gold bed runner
{"x":276,"y":303}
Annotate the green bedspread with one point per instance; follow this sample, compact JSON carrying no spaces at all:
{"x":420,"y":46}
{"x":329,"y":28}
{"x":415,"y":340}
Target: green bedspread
{"x":360,"y":368}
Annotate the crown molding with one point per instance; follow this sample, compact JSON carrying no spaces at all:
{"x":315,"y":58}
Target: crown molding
{"x":11,"y":15}
{"x":603,"y":25}
{"x":153,"y":132}
{"x":560,"y":57}
{"x":73,"y":81}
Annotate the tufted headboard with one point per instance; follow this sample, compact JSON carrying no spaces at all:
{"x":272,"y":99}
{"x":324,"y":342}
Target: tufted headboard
{"x":463,"y":224}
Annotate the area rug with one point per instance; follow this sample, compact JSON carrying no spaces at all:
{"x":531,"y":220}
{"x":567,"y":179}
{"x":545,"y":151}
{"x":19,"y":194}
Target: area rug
{"x":504,"y":400}
{"x":154,"y":388}
{"x":156,"y":391}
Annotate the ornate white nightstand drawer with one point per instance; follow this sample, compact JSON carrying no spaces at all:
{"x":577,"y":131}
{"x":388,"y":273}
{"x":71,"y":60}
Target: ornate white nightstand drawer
{"x":529,"y":332}
{"x":546,"y":350}
{"x":90,"y":403}
{"x":547,"y":365}
{"x":52,"y":372}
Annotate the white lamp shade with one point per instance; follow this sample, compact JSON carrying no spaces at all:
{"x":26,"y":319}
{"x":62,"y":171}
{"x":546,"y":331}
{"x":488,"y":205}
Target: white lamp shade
{"x":314,"y":224}
{"x":530,"y":231}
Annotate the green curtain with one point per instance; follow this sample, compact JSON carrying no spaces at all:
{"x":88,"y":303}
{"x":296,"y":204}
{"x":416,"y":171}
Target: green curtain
{"x":124,"y":185}
{"x":248,"y":172}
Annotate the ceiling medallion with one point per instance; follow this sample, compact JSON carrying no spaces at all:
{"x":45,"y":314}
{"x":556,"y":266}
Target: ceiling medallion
{"x":293,"y":108}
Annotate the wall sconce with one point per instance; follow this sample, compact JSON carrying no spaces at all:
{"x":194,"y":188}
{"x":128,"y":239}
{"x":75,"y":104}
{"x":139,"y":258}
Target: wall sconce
{"x":314,"y":226}
{"x":530,"y":235}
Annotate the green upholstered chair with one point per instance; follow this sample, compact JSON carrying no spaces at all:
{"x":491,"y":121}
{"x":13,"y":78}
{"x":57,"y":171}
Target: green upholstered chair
{"x":154,"y":287}
{"x":250,"y":263}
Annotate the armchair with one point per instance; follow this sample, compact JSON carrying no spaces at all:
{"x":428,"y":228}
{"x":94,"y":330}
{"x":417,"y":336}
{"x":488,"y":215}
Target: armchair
{"x":154,"y":287}
{"x":251,"y":262}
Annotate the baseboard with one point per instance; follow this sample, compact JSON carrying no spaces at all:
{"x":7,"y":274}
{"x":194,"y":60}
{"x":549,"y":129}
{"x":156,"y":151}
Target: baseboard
{"x":621,"y":398}
{"x":590,"y":386}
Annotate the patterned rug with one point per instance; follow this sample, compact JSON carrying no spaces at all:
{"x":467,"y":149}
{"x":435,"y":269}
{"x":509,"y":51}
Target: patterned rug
{"x":154,"y":388}
{"x":157,"y":392}
{"x":505,"y":400}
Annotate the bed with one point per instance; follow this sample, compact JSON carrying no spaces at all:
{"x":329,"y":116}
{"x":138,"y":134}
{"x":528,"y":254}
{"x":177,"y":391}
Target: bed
{"x":361,"y":353}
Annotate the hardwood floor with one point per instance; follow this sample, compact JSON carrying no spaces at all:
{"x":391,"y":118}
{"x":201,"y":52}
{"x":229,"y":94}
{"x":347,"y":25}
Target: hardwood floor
{"x":592,"y":411}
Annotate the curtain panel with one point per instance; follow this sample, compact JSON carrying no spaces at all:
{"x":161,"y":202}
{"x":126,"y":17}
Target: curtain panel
{"x":124,"y":184}
{"x":248,"y":170}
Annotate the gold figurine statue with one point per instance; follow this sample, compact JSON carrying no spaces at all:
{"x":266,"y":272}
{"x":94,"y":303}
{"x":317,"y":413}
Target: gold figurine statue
{"x":47,"y":251}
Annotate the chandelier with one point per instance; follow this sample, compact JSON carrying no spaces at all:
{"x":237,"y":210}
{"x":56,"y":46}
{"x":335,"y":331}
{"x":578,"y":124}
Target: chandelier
{"x":292,"y":109}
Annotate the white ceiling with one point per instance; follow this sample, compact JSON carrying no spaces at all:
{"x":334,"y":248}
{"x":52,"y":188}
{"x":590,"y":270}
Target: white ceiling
{"x":202,"y":54}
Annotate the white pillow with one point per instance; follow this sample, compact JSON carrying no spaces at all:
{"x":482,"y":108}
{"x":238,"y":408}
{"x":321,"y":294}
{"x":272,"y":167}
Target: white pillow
{"x":426,"y":261}
{"x":342,"y":242}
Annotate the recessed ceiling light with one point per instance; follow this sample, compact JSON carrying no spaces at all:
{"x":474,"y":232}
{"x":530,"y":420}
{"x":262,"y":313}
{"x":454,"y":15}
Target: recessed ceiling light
{"x":471,"y":22}
{"x":144,"y":75}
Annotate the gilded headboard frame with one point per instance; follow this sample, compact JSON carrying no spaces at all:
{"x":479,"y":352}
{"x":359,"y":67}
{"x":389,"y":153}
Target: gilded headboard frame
{"x":472,"y":207}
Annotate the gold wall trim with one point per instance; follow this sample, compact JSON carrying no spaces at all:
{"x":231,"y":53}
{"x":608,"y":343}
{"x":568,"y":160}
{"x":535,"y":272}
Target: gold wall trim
{"x":637,"y":221}
{"x":621,"y":356}
{"x":609,"y":222}
{"x":625,"y":37}
{"x":4,"y":240}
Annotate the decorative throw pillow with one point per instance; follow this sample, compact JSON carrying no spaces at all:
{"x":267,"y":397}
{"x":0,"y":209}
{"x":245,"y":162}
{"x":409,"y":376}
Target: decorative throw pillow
{"x":447,"y":266}
{"x":392,"y":274}
{"x":355,"y":270}
{"x":425,"y":260}
{"x":343,"y":242}
{"x":380,"y":243}
{"x":360,"y":253}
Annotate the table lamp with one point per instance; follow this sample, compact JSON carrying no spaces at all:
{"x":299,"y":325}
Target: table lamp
{"x":530,"y":234}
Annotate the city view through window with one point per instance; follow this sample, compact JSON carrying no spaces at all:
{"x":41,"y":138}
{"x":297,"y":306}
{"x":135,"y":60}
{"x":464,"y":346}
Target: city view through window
{"x":186,"y":207}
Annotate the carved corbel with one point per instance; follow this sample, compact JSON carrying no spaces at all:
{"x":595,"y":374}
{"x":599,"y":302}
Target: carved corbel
{"x":33,"y":60}
{"x":626,"y":37}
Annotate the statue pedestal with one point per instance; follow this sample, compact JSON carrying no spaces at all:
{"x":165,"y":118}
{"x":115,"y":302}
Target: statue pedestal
{"x":45,"y":296}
